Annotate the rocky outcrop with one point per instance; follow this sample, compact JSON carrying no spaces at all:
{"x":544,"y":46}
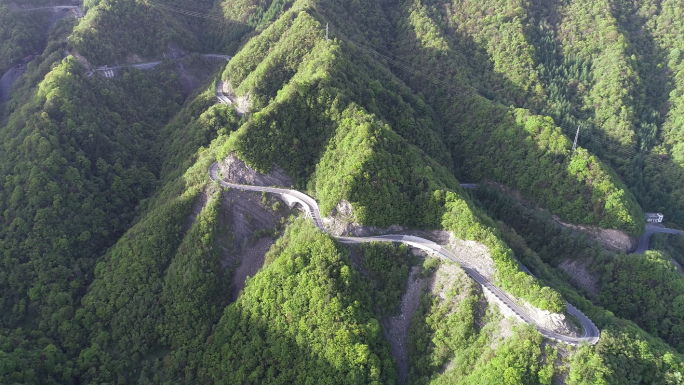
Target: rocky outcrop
{"x":578,"y":271}
{"x":235,"y":170}
{"x":342,"y":222}
{"x":551,"y":321}
{"x":610,"y":239}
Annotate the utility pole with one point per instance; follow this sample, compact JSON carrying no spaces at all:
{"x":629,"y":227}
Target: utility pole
{"x":574,"y":145}
{"x":326,"y":31}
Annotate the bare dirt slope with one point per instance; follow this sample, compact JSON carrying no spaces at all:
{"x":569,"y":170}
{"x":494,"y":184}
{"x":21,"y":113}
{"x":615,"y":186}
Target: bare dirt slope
{"x":7,"y":81}
{"x":342,"y":222}
{"x":610,"y":239}
{"x":192,"y":70}
{"x":197,"y":207}
{"x":247,"y":233}
{"x":249,"y":221}
{"x":235,"y":170}
{"x":398,"y":326}
{"x":578,"y":271}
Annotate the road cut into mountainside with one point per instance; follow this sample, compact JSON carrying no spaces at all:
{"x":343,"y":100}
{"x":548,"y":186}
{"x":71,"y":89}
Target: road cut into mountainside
{"x":590,"y":334}
{"x":650,"y":230}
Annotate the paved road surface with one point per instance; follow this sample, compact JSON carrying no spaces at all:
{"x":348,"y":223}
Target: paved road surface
{"x":51,"y":7}
{"x":217,"y":56}
{"x":76,"y":8}
{"x":469,"y":186}
{"x":108,"y":71}
{"x":220,"y":95}
{"x":292,"y":197}
{"x":650,"y":230}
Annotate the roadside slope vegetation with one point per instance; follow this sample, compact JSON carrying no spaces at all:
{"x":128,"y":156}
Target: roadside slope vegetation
{"x":112,"y":236}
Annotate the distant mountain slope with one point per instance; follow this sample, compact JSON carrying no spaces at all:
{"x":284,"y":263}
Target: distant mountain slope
{"x":75,"y":164}
{"x":112,"y":236}
{"x":600,"y":65}
{"x":306,"y":317}
{"x":21,"y":34}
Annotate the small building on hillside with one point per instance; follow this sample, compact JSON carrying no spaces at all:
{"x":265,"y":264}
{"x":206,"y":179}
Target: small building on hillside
{"x":654,"y":217}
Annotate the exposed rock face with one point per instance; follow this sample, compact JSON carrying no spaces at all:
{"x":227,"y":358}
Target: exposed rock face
{"x":235,"y":170}
{"x":551,"y":321}
{"x":241,"y":103}
{"x":579,"y":272}
{"x":610,"y":239}
{"x":475,"y":254}
{"x":398,"y":326}
{"x":343,"y":222}
{"x":503,"y":309}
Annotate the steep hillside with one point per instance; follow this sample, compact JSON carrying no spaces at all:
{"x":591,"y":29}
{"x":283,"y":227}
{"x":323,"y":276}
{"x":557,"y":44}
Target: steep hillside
{"x":307,"y":317}
{"x":126,"y":31}
{"x":21,"y":34}
{"x":76,"y":163}
{"x":599,"y":65}
{"x":121,"y":261}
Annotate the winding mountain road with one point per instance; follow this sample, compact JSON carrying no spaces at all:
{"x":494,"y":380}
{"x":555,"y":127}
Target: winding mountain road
{"x":108,"y":71}
{"x":223,"y":99}
{"x":78,"y":12}
{"x":650,"y":230}
{"x":590,"y":335}
{"x":53,"y":7}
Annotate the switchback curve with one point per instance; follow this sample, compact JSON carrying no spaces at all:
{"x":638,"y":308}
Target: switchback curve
{"x":590,"y":335}
{"x":646,"y":236}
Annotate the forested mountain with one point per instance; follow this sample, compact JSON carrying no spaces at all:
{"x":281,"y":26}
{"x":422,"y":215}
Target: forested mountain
{"x":122,"y":262}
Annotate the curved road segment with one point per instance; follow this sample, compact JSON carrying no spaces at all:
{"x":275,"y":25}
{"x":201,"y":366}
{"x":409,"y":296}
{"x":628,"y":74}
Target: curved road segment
{"x":291,"y":197}
{"x":650,"y":230}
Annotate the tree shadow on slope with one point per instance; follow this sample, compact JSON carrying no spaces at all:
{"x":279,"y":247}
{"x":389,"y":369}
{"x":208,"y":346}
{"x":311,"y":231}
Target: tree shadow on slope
{"x":489,"y":141}
{"x":297,"y":95}
{"x":306,"y":318}
{"x":387,"y":180}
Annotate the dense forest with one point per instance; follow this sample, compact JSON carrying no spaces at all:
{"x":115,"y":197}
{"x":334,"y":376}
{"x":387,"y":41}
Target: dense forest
{"x":122,"y":262}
